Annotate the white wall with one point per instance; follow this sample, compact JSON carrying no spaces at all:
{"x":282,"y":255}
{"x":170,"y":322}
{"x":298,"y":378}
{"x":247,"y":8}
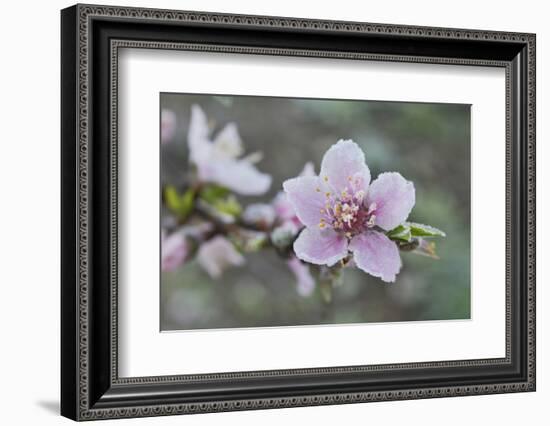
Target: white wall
{"x":29,"y":229}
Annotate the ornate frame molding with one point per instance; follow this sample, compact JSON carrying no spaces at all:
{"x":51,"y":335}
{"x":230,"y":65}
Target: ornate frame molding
{"x":78,"y":24}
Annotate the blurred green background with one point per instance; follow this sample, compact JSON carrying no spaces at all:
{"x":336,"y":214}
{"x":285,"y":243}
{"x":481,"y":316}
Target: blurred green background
{"x":428,"y":144}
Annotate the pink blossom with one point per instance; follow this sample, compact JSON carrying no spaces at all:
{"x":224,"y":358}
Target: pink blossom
{"x":343,"y":211}
{"x":174,"y":251}
{"x":283,"y":207}
{"x":217,"y":254}
{"x":259,"y":214}
{"x":167,"y":125}
{"x":177,"y":247}
{"x":219,"y":160}
{"x":289,"y":226}
{"x":305,"y":284}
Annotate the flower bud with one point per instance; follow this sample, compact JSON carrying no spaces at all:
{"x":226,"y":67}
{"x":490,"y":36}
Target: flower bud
{"x":283,"y":236}
{"x":259,"y":214}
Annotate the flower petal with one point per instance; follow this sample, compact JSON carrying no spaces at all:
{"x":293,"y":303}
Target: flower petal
{"x":200,"y":146}
{"x":281,"y":203}
{"x":259,"y":214}
{"x":305,"y":284}
{"x":394,"y":198}
{"x":217,"y":254}
{"x":308,"y":170}
{"x":376,"y":254}
{"x":283,"y":207}
{"x":321,"y":247}
{"x":307,"y":196}
{"x":174,"y":251}
{"x":215,"y":161}
{"x":345,"y":160}
{"x":237,"y":175}
{"x":168,"y":125}
{"x":229,"y":142}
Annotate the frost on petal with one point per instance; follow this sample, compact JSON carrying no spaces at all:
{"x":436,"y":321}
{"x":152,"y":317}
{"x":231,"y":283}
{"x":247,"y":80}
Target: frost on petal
{"x":174,"y":251}
{"x":305,"y":284}
{"x":376,"y":254}
{"x":218,"y":254}
{"x":393,"y":197}
{"x":344,"y":160}
{"x":307,"y":196}
{"x":229,"y":142}
{"x":167,"y":125}
{"x":320,"y":247}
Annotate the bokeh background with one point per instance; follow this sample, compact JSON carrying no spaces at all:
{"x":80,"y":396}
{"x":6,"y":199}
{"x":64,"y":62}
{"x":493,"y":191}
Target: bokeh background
{"x":428,"y":144}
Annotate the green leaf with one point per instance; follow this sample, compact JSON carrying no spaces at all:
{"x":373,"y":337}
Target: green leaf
{"x":171,"y":198}
{"x":249,"y":241}
{"x":228,"y":205}
{"x":213,"y":213}
{"x":400,"y":233}
{"x":420,"y":230}
{"x":187,"y":201}
{"x":221,"y":199}
{"x":213,"y":193}
{"x":180,"y":205}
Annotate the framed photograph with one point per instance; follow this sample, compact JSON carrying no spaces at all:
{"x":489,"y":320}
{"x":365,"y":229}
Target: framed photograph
{"x":263,"y":212}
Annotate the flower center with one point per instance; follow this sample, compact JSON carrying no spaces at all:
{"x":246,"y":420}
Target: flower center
{"x":346,"y":212}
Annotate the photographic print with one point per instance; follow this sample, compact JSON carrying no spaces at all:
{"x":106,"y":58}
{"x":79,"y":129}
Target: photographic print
{"x":293,"y":212}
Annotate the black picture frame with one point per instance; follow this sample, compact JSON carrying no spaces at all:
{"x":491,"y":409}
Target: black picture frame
{"x":90,"y":386}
